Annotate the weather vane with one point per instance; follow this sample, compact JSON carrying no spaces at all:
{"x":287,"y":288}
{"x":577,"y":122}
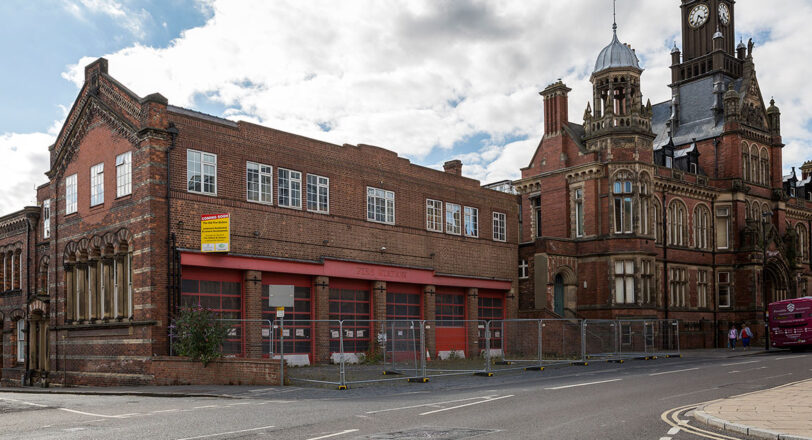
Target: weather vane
{"x":614,"y":15}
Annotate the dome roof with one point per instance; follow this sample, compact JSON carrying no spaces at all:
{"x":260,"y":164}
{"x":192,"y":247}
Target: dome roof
{"x":616,"y":54}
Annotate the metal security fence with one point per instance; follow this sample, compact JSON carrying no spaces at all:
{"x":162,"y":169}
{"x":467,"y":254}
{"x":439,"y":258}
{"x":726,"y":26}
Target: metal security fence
{"x":345,"y":352}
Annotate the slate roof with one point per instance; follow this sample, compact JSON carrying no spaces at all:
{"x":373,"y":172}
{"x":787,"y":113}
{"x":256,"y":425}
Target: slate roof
{"x":696,"y":116}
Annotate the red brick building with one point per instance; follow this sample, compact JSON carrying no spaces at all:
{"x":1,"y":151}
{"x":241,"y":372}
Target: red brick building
{"x":115,"y":245}
{"x":664,"y":210}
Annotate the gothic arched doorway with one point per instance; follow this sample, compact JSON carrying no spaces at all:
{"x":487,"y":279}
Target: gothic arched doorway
{"x":776,"y":282}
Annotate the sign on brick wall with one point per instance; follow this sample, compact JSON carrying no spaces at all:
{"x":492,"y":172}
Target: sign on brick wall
{"x":215,"y":233}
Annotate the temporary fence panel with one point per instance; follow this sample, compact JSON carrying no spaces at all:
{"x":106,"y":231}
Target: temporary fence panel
{"x":634,"y":338}
{"x":601,"y":339}
{"x":515,"y":344}
{"x":665,"y":337}
{"x":453,"y":347}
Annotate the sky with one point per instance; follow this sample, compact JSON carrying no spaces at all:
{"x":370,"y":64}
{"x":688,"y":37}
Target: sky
{"x":433,"y":80}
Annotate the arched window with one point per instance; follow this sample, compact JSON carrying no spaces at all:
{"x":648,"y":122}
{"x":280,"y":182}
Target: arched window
{"x":754,"y":166}
{"x":622,"y":191}
{"x":676,"y":224}
{"x":701,"y":229}
{"x":745,"y":164}
{"x":657,"y":212}
{"x":645,"y":204}
{"x":765,"y":167}
{"x":803,"y":242}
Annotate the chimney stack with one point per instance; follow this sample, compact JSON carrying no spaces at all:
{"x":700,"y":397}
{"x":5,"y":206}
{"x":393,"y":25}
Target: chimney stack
{"x":453,"y":167}
{"x":556,"y":107}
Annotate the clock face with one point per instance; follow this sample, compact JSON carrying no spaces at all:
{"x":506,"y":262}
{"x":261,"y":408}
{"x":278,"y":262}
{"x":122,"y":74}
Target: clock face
{"x":698,"y":15}
{"x":724,"y":14}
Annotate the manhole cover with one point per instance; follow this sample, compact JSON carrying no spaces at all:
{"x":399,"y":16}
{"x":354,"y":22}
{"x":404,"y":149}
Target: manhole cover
{"x":430,"y":433}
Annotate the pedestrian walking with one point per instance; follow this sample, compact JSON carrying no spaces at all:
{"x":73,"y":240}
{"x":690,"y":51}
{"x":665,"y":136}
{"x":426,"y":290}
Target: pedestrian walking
{"x":746,"y":334}
{"x":732,"y":335}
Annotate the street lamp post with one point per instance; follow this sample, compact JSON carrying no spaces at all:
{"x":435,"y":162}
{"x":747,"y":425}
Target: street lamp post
{"x":764,"y":223}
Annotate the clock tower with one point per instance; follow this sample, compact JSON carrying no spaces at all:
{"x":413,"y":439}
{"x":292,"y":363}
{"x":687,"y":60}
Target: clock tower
{"x":708,"y":41}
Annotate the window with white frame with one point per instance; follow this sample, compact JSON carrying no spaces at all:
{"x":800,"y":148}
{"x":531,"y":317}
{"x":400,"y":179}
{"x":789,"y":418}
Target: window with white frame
{"x":471,"y":221}
{"x":702,"y":288}
{"x":318,"y":194}
{"x":201,"y":172}
{"x":289,"y":188}
{"x":259,"y":182}
{"x":20,"y":340}
{"x":624,"y":282}
{"x":124,"y":170}
{"x":434,"y":215}
{"x":380,"y":205}
{"x":97,"y":184}
{"x":677,"y":284}
{"x":701,"y":223}
{"x":623,"y":207}
{"x":676,"y":224}
{"x":579,"y":212}
{"x":523,"y":269}
{"x":722,"y":228}
{"x":453,"y":218}
{"x":46,"y":218}
{"x":499,"y":226}
{"x":723,"y":288}
{"x":70,"y":194}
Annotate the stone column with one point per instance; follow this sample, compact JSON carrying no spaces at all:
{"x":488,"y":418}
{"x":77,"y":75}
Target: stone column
{"x":472,"y":317}
{"x":70,"y":292}
{"x":430,"y":315}
{"x":322,"y":327}
{"x":252,"y":327}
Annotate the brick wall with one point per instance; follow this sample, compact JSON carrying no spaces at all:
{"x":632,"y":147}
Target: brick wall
{"x":180,"y":371}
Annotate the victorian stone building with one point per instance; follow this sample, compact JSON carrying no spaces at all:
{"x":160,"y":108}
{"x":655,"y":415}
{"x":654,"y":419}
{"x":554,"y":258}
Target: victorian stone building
{"x":669,"y":210}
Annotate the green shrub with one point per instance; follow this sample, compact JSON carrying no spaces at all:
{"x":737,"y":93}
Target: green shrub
{"x":198,"y":334}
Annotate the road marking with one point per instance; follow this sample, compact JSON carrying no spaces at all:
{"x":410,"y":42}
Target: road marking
{"x":23,"y":402}
{"x":673,"y":371}
{"x":739,"y":363}
{"x":226,"y":433}
{"x":91,"y":414}
{"x":333,"y":435}
{"x":775,"y":377}
{"x":785,"y":357}
{"x":467,"y":404}
{"x":165,"y":411}
{"x":667,"y":417}
{"x":673,"y":431}
{"x":734,"y":371}
{"x":674,"y":396}
{"x":665,"y":438}
{"x":428,"y":404}
{"x":205,"y":406}
{"x":582,"y":384}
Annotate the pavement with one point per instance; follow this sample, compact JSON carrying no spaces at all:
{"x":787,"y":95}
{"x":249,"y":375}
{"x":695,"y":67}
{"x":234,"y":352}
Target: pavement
{"x":781,"y":413}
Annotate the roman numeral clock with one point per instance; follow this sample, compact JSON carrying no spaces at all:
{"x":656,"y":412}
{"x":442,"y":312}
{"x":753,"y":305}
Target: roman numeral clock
{"x":700,"y":21}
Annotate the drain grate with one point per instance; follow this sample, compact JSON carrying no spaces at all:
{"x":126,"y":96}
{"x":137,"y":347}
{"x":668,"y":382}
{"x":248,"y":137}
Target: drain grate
{"x":430,"y":433}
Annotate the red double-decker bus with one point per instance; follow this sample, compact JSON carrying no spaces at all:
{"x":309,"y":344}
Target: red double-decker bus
{"x":791,"y":323}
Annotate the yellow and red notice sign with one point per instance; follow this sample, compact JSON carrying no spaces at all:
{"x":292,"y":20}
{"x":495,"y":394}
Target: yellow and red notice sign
{"x":215,"y":233}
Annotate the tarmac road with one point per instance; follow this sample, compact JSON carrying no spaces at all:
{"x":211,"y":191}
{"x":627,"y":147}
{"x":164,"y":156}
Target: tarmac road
{"x":598,"y":401}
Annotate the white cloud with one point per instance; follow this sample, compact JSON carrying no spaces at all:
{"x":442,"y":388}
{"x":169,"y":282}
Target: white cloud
{"x":132,"y":20}
{"x":420,"y":75}
{"x":25,"y":161}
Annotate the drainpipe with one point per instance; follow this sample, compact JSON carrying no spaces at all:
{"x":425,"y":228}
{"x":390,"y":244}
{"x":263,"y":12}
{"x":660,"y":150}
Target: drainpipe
{"x":715,"y":280}
{"x":170,"y":288}
{"x":665,"y":254}
{"x":27,"y":294}
{"x":716,"y":156}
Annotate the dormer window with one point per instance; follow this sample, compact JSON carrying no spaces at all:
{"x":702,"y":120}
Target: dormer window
{"x":669,"y":162}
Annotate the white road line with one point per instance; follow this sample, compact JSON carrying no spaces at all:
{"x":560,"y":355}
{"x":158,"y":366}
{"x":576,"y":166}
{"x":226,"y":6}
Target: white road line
{"x":467,"y":404}
{"x":775,"y":377}
{"x":673,"y":371}
{"x":334,"y":435}
{"x":227,"y":433}
{"x":734,"y":371}
{"x":23,"y":402}
{"x":785,"y":357}
{"x":165,"y":411}
{"x":582,"y":384}
{"x":205,"y":406}
{"x":665,"y":438}
{"x":739,"y":363}
{"x":89,"y":414}
{"x":673,"y":431}
{"x":427,"y":404}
